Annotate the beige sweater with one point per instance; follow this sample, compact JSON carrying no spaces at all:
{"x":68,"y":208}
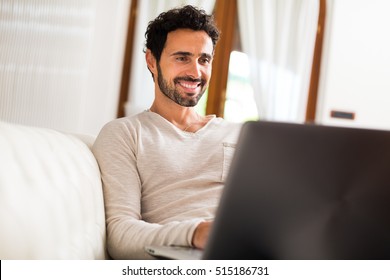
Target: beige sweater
{"x":160,"y":182}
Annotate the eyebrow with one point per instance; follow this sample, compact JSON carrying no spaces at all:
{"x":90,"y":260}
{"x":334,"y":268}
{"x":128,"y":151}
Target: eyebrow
{"x":209,"y":56}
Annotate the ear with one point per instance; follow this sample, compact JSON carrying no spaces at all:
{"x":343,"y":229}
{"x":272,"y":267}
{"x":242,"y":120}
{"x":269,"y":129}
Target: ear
{"x":151,"y":62}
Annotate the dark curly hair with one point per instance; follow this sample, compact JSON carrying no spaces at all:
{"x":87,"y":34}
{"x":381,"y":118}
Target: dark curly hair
{"x":178,"y":18}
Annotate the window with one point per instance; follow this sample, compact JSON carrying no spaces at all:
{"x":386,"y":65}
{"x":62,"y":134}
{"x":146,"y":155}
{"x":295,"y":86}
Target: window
{"x":240,"y":104}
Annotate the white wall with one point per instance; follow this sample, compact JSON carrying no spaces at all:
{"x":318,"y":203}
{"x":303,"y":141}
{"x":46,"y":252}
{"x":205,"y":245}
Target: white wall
{"x":355,"y":73}
{"x":61,"y":62}
{"x":105,"y":69}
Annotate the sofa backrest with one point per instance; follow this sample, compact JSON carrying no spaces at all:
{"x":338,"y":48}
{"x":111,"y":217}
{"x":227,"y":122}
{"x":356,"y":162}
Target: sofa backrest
{"x":51,"y":200}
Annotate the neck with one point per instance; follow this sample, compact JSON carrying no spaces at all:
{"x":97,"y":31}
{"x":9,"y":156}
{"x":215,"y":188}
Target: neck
{"x":175,"y":114}
{"x":184,"y":118}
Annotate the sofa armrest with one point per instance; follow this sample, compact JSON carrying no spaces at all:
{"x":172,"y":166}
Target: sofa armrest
{"x":51,"y":200}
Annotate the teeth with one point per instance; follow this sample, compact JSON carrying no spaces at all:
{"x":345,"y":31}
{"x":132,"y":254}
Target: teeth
{"x":191,"y":86}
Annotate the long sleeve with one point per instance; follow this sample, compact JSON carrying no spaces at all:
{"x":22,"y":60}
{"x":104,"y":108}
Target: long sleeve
{"x":153,"y":191}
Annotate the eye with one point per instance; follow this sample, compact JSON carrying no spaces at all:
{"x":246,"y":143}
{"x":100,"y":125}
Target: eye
{"x":204,"y":60}
{"x":181,"y":58}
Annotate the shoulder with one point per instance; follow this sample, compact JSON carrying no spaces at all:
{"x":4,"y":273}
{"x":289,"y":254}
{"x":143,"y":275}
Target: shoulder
{"x":119,"y":131}
{"x":129,"y":129}
{"x":124,"y":125}
{"x":227,"y":126}
{"x":229,"y":131}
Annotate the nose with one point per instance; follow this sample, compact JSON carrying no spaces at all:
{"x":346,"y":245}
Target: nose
{"x":194,"y":70}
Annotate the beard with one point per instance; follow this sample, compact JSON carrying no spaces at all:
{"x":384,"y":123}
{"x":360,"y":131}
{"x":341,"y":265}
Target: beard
{"x":170,"y":91}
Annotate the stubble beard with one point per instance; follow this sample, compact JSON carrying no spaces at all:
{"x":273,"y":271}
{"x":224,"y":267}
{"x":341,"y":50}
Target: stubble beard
{"x":172,"y":93}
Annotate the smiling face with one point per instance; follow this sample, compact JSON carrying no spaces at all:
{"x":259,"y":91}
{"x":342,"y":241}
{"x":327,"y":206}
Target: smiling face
{"x":184,"y":70}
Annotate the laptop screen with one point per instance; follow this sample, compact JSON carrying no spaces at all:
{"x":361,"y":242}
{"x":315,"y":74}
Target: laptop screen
{"x":305,"y":192}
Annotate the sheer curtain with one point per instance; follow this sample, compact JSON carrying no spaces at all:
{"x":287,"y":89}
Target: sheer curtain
{"x":279,"y":37}
{"x":141,"y":90}
{"x":61,"y":61}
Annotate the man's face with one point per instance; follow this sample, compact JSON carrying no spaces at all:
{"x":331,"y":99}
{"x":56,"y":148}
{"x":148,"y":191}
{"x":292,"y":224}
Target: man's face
{"x":184,"y":70}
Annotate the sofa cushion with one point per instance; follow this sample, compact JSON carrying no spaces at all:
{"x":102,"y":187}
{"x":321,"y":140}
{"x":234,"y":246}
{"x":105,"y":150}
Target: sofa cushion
{"x":51,"y":201}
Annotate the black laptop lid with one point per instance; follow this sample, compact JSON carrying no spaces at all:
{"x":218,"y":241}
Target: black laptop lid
{"x":305,"y":192}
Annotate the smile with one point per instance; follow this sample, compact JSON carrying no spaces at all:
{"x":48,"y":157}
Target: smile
{"x":189,"y":85}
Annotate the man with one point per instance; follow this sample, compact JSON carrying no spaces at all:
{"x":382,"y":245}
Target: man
{"x":163,"y":169}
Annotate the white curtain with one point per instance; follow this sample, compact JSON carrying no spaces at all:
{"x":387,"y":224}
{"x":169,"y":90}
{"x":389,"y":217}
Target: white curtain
{"x":141,"y":90}
{"x":61,"y":62}
{"x":279,"y":38}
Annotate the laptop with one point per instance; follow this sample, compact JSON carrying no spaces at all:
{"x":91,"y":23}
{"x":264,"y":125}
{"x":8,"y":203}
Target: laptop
{"x":304,"y":192}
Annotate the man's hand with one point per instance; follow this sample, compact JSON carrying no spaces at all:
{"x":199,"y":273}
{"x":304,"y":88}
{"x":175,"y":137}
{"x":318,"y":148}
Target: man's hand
{"x":201,"y":235}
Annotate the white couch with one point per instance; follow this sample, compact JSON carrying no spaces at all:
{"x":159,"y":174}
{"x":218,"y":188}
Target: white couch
{"x":51,"y":201}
